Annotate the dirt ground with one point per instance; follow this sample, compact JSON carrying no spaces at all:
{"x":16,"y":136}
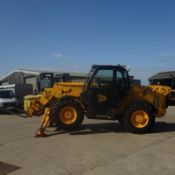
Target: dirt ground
{"x":98,"y":148}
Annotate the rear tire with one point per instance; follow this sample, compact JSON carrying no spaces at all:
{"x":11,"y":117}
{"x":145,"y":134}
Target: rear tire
{"x":68,"y":115}
{"x":139,"y":118}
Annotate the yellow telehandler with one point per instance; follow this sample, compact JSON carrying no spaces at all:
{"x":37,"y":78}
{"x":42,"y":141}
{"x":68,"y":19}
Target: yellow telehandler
{"x":106,"y":94}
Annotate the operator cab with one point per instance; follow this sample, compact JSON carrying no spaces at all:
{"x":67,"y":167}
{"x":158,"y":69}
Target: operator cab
{"x":104,"y":87}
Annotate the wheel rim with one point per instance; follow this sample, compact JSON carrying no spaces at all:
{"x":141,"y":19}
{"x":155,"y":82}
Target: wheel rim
{"x":68,"y":115}
{"x":139,"y":119}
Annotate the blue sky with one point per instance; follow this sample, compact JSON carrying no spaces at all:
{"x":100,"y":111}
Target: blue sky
{"x":71,"y":35}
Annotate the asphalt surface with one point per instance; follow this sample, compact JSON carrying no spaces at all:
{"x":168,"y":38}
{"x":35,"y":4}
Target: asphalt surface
{"x":98,"y":148}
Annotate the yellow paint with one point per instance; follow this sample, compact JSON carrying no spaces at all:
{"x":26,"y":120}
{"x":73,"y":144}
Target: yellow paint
{"x":68,"y":115}
{"x":101,"y":98}
{"x":34,"y":103}
{"x":147,"y":94}
{"x":44,"y":124}
{"x":28,"y":99}
{"x":139,"y":119}
{"x":61,"y":89}
{"x":160,"y":89}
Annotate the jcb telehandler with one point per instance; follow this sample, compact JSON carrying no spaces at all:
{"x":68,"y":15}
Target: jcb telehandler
{"x":106,"y":94}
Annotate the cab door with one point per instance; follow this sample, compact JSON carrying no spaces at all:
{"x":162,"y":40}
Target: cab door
{"x":101,"y":92}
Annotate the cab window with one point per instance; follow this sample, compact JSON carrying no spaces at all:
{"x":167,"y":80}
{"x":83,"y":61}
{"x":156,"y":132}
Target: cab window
{"x":122,"y":81}
{"x":103,"y":78}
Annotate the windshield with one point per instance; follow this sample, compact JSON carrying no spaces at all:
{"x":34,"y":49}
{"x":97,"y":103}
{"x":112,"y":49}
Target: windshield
{"x":6,"y":94}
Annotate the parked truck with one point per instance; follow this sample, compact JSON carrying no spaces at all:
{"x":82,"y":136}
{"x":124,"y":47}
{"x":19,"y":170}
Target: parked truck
{"x":19,"y":91}
{"x":8,"y":101}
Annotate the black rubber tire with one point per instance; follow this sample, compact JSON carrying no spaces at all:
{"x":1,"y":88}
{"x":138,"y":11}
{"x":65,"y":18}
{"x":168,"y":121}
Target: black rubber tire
{"x":80,"y":115}
{"x":140,"y":105}
{"x":120,"y":121}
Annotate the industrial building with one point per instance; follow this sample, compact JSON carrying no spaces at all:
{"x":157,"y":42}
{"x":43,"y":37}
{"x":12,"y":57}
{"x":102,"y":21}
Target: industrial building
{"x":29,"y":76}
{"x":164,"y":78}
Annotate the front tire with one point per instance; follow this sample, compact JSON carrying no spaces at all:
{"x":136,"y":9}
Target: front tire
{"x":68,"y":115}
{"x":139,"y":118}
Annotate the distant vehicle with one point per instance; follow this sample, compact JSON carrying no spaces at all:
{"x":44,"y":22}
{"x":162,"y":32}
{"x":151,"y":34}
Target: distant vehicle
{"x":19,"y":91}
{"x":7,"y":99}
{"x":47,"y":80}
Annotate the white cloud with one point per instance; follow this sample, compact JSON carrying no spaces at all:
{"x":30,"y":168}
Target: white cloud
{"x":57,"y":55}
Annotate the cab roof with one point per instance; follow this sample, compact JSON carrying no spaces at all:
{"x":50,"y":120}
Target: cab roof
{"x":109,"y":67}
